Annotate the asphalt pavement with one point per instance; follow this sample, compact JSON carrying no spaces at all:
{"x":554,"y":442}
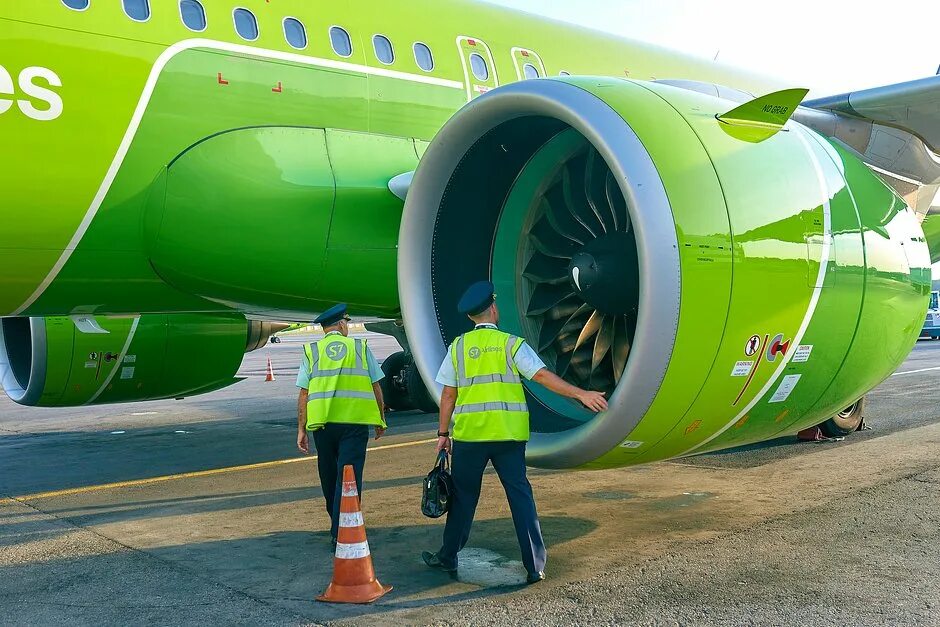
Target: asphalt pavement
{"x":202,"y":511}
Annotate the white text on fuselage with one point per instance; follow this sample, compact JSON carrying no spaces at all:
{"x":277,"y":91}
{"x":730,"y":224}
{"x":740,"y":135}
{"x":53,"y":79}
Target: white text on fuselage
{"x":30,"y":82}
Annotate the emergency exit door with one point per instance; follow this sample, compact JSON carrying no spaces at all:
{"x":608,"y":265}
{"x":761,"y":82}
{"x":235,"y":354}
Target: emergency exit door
{"x":478,"y":66}
{"x":528,"y":64}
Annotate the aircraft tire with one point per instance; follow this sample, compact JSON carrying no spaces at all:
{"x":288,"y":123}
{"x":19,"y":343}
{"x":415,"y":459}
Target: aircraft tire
{"x":846,"y":421}
{"x":394,"y":385}
{"x":418,"y":392}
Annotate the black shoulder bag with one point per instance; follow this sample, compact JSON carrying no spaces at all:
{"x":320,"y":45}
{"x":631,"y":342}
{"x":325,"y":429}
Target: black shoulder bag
{"x":438,"y":488}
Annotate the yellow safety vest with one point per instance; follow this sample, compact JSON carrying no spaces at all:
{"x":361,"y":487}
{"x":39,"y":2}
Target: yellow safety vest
{"x":491,"y":404}
{"x":340,"y":389}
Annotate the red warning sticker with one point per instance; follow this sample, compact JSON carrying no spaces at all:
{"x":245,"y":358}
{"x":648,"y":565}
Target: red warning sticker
{"x":777,"y":347}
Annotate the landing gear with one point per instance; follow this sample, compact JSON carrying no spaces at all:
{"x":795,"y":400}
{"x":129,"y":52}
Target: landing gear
{"x":394,"y":388}
{"x":417,"y":392}
{"x":403,"y":387}
{"x":846,"y":422}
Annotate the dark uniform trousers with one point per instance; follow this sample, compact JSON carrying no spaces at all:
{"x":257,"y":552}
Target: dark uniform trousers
{"x":467,"y":466}
{"x":338,"y":445}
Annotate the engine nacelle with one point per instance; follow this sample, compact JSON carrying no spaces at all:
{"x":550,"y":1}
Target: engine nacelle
{"x":48,"y":362}
{"x":722,"y":292}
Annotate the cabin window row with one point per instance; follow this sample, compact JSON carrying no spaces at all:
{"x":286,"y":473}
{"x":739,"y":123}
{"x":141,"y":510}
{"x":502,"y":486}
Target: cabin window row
{"x":193,"y":15}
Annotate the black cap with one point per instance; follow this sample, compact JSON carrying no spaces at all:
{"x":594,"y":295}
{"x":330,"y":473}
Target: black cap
{"x":477,"y":298}
{"x":332,"y":315}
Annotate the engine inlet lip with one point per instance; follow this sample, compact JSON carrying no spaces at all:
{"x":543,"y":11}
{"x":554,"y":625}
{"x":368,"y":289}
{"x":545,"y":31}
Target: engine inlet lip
{"x":657,"y":249}
{"x":32,"y":392}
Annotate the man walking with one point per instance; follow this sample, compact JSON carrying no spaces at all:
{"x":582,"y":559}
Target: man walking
{"x":483,"y":392}
{"x":339,"y":399}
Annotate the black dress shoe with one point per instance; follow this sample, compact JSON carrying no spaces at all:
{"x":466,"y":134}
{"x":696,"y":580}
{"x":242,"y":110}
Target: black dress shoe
{"x":534,"y":578}
{"x":432,"y":560}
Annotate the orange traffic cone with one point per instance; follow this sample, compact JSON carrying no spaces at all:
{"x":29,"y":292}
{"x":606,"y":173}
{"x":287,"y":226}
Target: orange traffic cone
{"x":353,"y":576}
{"x":270,"y":375}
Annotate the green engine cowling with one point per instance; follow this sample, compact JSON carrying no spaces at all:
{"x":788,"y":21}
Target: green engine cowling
{"x":49,"y":362}
{"x":722,"y":292}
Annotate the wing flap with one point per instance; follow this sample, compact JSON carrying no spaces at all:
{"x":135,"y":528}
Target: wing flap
{"x":913,"y":106}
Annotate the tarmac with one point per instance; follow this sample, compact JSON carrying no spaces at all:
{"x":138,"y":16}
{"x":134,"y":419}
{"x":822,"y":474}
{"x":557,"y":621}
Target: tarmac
{"x":202,"y":511}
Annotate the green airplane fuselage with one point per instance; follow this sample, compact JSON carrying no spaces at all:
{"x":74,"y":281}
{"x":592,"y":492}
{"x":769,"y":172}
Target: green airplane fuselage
{"x":135,"y":96}
{"x":151,"y":170}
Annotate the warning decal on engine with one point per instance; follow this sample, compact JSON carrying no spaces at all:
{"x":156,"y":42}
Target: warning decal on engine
{"x":802,"y":353}
{"x":786,"y":388}
{"x":742,"y":368}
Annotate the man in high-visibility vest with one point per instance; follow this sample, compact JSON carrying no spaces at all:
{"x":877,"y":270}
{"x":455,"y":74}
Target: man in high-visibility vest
{"x":340,"y":398}
{"x":483,"y":392}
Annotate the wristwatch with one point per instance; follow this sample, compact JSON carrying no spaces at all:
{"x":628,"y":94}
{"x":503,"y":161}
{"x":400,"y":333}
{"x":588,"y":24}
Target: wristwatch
{"x":443,"y":434}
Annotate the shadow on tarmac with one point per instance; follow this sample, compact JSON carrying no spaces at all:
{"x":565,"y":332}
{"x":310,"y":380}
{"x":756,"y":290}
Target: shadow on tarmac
{"x":33,"y":463}
{"x":290,"y":568}
{"x":123,"y":511}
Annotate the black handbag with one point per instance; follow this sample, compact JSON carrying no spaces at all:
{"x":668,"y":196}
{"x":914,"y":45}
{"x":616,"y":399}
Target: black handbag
{"x":438,"y":488}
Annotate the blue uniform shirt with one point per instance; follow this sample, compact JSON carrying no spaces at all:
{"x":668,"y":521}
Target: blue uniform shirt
{"x":303,"y":377}
{"x":526,"y":360}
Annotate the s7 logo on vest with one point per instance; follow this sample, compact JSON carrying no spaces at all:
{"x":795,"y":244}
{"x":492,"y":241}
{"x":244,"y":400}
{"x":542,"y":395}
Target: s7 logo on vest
{"x":33,"y":82}
{"x":336,"y":351}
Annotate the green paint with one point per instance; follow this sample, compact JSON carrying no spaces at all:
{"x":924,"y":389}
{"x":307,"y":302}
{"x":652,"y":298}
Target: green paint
{"x":169,"y":356}
{"x":256,"y":183}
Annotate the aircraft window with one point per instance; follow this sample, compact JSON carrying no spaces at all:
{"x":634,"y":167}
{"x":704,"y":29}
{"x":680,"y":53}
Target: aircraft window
{"x":295,"y":33}
{"x":423,"y":57}
{"x":530,"y":71}
{"x":342,"y":44}
{"x":245,"y":24}
{"x":479,"y":67}
{"x":564,"y":73}
{"x":194,"y":16}
{"x":78,"y":5}
{"x":137,"y":10}
{"x":383,"y":49}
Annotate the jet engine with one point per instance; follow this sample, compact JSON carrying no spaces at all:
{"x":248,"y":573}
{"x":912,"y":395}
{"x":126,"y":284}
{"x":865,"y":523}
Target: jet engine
{"x":49,"y":362}
{"x":720,"y":290}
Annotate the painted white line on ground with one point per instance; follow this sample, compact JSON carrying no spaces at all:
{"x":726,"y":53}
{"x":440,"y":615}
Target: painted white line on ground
{"x":201,"y":473}
{"x":898,"y":374}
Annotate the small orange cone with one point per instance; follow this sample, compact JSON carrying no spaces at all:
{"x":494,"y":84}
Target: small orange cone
{"x":270,"y":375}
{"x":353,"y":576}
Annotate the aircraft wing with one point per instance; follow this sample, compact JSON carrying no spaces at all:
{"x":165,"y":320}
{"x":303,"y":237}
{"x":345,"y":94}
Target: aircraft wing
{"x":913,"y":106}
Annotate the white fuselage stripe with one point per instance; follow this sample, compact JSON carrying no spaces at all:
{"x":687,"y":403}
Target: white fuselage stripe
{"x":813,"y":301}
{"x":119,"y":364}
{"x":144,"y":101}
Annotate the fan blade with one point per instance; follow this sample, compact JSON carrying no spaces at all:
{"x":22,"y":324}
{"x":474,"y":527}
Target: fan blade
{"x":590,"y":329}
{"x":617,"y":204}
{"x":605,"y":338}
{"x":562,"y":219}
{"x":544,"y":269}
{"x":594,"y":181}
{"x":621,"y":348}
{"x":549,"y":242}
{"x":546,"y":296}
{"x":557,"y":327}
{"x":577,"y":204}
{"x":580,"y":365}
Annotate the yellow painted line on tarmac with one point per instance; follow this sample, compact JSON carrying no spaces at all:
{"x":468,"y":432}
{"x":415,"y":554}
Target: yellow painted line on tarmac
{"x":200,"y":473}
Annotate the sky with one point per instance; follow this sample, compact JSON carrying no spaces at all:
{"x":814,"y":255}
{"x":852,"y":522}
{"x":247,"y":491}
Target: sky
{"x":829,"y":46}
